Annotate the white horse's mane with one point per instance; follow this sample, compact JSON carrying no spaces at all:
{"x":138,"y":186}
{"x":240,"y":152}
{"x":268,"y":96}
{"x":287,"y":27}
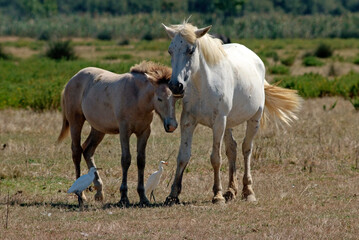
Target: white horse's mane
{"x":210,"y":47}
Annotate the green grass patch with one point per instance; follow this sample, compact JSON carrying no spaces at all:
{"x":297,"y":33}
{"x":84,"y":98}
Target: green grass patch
{"x":288,"y":61}
{"x":314,"y":85}
{"x":278,"y":69}
{"x":311,"y":61}
{"x":39,"y":83}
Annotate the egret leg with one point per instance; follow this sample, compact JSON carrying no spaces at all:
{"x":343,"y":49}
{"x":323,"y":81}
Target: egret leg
{"x":80,"y":200}
{"x":152,"y":196}
{"x":90,"y":145}
{"x":141,"y":162}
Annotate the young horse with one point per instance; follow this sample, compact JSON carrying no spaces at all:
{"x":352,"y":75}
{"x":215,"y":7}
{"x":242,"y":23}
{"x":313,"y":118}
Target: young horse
{"x":222,"y":86}
{"x":116,"y":103}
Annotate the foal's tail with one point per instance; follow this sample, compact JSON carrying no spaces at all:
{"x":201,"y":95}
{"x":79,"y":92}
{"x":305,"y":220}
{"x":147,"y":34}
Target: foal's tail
{"x":282,"y":104}
{"x":65,"y":123}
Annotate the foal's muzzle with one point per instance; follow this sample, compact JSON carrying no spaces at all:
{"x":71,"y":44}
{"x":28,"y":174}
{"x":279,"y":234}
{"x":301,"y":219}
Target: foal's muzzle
{"x":170,"y":124}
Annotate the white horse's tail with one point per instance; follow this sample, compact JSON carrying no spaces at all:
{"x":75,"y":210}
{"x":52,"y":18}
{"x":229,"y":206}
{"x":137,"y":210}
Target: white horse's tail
{"x":65,"y":123}
{"x":280,"y":103}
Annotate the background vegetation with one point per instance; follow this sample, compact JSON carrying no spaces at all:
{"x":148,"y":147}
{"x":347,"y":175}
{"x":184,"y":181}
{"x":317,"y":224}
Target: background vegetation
{"x":139,"y":18}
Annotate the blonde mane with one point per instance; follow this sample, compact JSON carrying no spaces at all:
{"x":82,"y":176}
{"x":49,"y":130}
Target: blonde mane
{"x":159,"y":73}
{"x":210,"y":47}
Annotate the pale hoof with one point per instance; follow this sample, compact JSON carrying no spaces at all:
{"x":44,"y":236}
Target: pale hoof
{"x":218,"y":199}
{"x":99,"y":196}
{"x":250,"y":198}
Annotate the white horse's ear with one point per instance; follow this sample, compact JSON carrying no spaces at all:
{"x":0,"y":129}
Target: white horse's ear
{"x":202,"y":31}
{"x":171,"y":32}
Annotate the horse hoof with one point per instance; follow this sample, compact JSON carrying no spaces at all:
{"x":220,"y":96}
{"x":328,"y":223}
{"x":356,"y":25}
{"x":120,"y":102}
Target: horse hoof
{"x":250,"y":198}
{"x":229,"y":195}
{"x":218,"y":199}
{"x":145,"y":203}
{"x":99,"y":197}
{"x":171,"y":200}
{"x":124,"y":203}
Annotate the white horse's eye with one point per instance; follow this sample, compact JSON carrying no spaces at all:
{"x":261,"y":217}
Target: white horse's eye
{"x":191,"y":50}
{"x":169,"y":52}
{"x":159,"y":99}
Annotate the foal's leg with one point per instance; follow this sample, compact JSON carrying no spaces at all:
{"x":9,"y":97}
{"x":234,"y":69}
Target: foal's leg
{"x":188,"y":124}
{"x":252,"y":129}
{"x":141,"y":162}
{"x":76,"y":124}
{"x":216,"y":160}
{"x":231,"y":152}
{"x":89,"y":147}
{"x":125,"y":162}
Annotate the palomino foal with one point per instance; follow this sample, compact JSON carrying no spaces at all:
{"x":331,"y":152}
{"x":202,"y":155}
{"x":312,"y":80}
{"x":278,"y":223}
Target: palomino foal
{"x":116,"y":104}
{"x":222,"y":86}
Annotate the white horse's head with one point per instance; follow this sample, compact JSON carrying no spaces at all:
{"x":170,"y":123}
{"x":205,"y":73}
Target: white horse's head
{"x":184,"y":54}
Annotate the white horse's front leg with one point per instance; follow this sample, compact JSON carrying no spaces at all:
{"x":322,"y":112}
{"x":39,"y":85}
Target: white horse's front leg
{"x":216,"y":160}
{"x":188,"y":124}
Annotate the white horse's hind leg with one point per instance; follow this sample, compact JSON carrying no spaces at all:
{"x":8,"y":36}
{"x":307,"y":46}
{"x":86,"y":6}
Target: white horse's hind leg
{"x":218,"y":132}
{"x":89,"y":147}
{"x":231,"y":152}
{"x":252,"y":129}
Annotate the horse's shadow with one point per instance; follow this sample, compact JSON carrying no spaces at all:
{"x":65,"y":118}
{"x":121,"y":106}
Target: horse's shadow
{"x":90,"y":207}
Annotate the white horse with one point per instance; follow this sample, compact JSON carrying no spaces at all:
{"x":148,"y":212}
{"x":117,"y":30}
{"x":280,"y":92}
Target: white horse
{"x":222,"y":86}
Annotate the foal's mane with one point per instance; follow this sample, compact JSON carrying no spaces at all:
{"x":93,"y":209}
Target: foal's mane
{"x":159,"y":73}
{"x":210,"y":47}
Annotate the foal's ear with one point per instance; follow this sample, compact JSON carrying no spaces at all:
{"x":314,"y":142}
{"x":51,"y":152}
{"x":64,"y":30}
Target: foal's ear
{"x":202,"y":31}
{"x":171,"y":32}
{"x":151,"y":79}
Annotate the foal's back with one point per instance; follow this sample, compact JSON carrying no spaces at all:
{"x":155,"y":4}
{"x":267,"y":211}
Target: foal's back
{"x":105,"y":98}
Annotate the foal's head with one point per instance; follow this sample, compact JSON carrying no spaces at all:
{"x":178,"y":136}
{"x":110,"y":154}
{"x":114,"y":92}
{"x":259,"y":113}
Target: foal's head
{"x":187,"y":46}
{"x":163,"y":99}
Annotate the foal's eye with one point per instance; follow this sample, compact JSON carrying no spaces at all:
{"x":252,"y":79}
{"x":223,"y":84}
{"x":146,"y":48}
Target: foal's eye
{"x":159,"y":99}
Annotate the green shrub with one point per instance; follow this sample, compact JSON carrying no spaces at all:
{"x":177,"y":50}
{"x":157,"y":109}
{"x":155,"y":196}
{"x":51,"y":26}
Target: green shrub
{"x":147,"y":36}
{"x":347,"y":85}
{"x":104,"y":35}
{"x":356,"y":60}
{"x":355,"y":103}
{"x":323,"y":51}
{"x":278,"y":69}
{"x":311,"y":61}
{"x":270,"y":54}
{"x":3,"y":54}
{"x":124,"y":42}
{"x":308,"y":85}
{"x":60,"y":50}
{"x":288,"y":61}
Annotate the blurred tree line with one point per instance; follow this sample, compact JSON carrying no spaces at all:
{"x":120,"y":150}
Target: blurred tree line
{"x":46,"y":8}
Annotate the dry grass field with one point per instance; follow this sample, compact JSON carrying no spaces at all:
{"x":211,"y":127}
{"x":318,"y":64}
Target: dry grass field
{"x":306,"y":180}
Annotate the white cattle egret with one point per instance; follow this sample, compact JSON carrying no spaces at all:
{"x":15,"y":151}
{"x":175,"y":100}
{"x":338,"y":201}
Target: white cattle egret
{"x":82,"y":183}
{"x":154,"y":180}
